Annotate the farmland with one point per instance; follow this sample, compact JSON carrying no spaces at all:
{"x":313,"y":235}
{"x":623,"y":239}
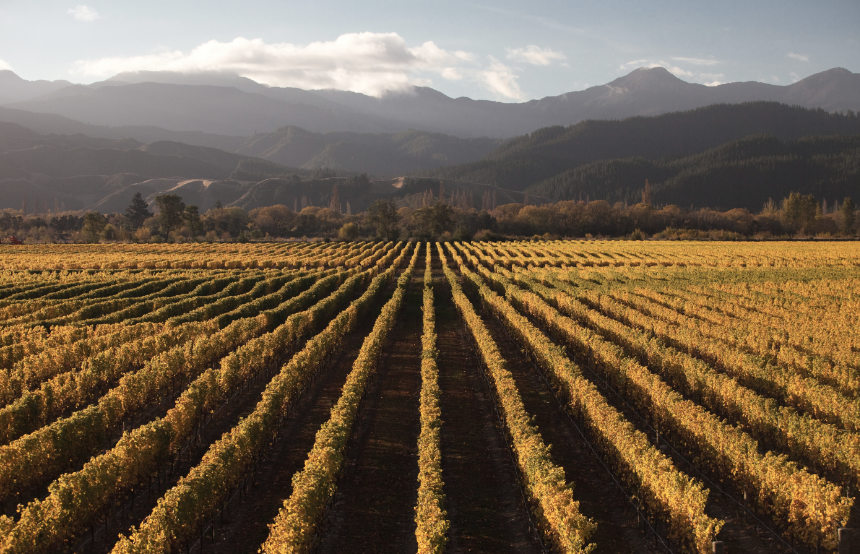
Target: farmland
{"x":379,"y":396}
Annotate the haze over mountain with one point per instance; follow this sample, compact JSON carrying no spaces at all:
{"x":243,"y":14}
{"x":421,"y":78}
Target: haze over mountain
{"x":235,"y":106}
{"x":15,"y":89}
{"x":381,"y":154}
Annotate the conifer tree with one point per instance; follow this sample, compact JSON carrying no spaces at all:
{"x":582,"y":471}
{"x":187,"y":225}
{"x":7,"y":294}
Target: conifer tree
{"x":137,"y":211}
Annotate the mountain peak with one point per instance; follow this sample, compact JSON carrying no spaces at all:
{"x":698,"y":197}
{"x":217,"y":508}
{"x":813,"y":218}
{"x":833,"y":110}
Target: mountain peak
{"x":836,"y":71}
{"x":9,"y":76}
{"x":647,"y":77}
{"x":203,"y":78}
{"x":14,"y":88}
{"x":834,"y":74}
{"x":658,"y":71}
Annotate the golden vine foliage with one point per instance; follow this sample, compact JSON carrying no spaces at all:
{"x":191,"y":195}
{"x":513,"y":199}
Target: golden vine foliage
{"x":431,"y":520}
{"x":744,"y":355}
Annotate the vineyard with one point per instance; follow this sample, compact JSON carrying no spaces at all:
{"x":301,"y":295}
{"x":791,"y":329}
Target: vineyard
{"x":552,"y":396}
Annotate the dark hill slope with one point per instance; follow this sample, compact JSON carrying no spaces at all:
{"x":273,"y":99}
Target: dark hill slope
{"x":739,"y":174}
{"x":532,"y":158}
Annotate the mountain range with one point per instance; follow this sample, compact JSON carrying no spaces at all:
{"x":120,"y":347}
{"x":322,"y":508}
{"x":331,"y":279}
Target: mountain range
{"x":76,"y":147}
{"x":720,"y":156}
{"x":218,"y":104}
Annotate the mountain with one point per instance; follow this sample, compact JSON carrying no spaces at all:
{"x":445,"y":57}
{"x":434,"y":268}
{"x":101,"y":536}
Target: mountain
{"x":542,"y":154}
{"x":723,"y":155}
{"x":52,"y":124}
{"x":13,"y":136}
{"x":739,"y":174}
{"x":642,"y":92}
{"x":75,"y":172}
{"x":214,"y":109}
{"x":55,"y":172}
{"x":15,"y":89}
{"x":387,"y":154}
{"x":229,"y":105}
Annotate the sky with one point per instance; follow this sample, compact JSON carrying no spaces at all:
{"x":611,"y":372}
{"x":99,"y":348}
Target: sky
{"x":498,"y":50}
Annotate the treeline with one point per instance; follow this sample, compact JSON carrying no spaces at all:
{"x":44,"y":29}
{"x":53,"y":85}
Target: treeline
{"x":796,"y":215}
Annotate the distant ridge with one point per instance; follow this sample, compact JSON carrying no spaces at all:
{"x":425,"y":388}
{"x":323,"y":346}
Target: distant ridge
{"x":235,"y":106}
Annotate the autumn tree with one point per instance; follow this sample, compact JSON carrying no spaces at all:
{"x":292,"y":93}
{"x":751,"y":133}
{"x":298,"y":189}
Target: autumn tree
{"x":171,"y":210}
{"x":94,"y":224}
{"x":848,"y":215}
{"x":191,"y":217}
{"x":432,"y":221}
{"x":798,"y":211}
{"x":348,"y":231}
{"x":383,"y":216}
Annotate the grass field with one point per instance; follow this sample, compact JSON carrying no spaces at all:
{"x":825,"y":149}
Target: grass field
{"x":613,"y":396}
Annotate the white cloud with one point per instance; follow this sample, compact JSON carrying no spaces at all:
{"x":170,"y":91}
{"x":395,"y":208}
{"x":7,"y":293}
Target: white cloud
{"x":535,"y":55}
{"x":83,"y":13}
{"x":632,"y":64}
{"x":696,"y":61}
{"x":371,"y":63}
{"x":501,"y":80}
{"x":452,"y":74}
{"x":5,"y":65}
{"x":430,"y":54}
{"x":798,"y":57}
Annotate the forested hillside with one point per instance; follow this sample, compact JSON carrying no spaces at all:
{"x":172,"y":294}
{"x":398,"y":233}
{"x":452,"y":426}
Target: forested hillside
{"x":611,"y":159}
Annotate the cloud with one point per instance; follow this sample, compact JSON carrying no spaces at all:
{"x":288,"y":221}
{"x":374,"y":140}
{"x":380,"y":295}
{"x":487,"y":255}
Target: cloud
{"x":501,"y":80}
{"x":633,"y":64}
{"x":370,"y":63}
{"x":83,"y":13}
{"x":535,"y":55}
{"x":452,"y":74}
{"x":711,"y":79}
{"x":5,"y":65}
{"x":798,"y":57}
{"x":696,"y":61}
